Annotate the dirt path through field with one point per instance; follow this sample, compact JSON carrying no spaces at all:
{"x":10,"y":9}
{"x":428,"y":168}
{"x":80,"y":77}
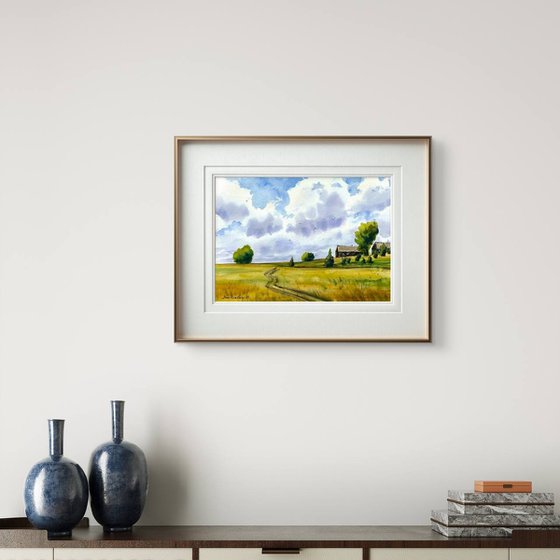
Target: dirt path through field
{"x":272,"y":284}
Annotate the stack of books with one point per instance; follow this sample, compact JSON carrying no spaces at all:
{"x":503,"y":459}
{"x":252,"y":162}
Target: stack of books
{"x":487,"y":513}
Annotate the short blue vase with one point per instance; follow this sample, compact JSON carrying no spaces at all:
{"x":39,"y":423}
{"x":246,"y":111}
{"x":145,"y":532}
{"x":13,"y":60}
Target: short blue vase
{"x":118,"y":479}
{"x":56,"y":489}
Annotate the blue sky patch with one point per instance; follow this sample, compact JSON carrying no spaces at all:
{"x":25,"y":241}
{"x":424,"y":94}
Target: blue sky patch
{"x":353,"y":183}
{"x":231,"y":228}
{"x":268,"y":189}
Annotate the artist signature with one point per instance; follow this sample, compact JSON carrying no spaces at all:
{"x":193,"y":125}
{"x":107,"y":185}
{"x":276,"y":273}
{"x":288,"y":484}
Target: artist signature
{"x":235,"y":297}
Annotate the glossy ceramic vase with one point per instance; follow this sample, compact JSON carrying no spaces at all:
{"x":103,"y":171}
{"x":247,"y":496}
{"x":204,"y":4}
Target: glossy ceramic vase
{"x":56,"y":489}
{"x":118,"y":479}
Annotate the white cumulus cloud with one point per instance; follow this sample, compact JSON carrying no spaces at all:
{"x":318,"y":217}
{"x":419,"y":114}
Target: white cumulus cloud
{"x":319,"y":214}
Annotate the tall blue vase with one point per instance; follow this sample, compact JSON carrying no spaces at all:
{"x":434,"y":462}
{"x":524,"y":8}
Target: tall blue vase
{"x":56,"y":490}
{"x":118,"y":479}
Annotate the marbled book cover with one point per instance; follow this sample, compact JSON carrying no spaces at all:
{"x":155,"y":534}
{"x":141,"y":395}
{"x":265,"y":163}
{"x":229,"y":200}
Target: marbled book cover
{"x":501,"y":498}
{"x":490,"y":509}
{"x":473,"y":532}
{"x":505,"y":520}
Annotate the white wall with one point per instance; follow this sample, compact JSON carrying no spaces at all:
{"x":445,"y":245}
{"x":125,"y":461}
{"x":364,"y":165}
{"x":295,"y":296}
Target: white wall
{"x":92,"y":94}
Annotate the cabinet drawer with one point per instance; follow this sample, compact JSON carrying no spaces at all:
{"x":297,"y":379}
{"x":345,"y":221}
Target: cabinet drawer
{"x":26,"y":554}
{"x":534,"y":554}
{"x":122,"y":554}
{"x":438,"y":554}
{"x":304,"y":554}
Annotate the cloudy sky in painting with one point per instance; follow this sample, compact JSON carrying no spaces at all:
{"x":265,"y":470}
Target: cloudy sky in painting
{"x":280,"y":217}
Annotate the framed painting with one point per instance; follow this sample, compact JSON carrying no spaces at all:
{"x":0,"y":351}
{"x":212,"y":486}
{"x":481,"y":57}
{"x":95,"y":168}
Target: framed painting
{"x":302,"y":238}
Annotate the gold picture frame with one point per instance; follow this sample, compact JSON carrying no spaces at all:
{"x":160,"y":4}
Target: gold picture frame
{"x":201,"y":161}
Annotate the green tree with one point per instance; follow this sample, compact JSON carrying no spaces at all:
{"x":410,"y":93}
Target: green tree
{"x":358,"y":258}
{"x":383,"y":250}
{"x":365,"y":236}
{"x":291,"y":263}
{"x":375,"y":253}
{"x":369,"y":260}
{"x":329,"y":261}
{"x":243,"y":255}
{"x":307,"y":257}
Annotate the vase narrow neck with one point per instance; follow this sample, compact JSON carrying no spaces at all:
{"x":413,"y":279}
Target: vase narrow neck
{"x":56,"y":438}
{"x":117,"y":409}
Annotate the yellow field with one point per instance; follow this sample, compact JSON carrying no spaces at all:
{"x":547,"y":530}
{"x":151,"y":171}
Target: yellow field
{"x":245,"y":282}
{"x":304,"y":282}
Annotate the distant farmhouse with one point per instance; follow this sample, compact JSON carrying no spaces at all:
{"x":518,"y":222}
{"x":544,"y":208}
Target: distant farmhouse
{"x":353,"y":251}
{"x":346,"y":251}
{"x":379,"y":244}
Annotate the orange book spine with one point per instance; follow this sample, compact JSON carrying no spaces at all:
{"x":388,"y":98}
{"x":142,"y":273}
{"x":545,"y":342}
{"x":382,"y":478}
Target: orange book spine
{"x":503,"y":486}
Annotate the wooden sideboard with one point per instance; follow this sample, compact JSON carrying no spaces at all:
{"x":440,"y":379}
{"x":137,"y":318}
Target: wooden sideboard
{"x":275,"y":543}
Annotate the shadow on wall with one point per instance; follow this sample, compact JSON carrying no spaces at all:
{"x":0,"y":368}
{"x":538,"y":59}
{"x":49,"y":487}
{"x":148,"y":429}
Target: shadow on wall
{"x":167,"y":493}
{"x":441,"y":246}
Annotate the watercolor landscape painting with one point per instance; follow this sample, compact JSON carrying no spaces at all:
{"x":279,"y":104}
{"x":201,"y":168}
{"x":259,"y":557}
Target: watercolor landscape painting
{"x":303,"y":239}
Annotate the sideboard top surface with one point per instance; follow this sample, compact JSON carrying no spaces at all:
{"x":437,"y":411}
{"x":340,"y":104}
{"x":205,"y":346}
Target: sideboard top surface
{"x":411,"y":536}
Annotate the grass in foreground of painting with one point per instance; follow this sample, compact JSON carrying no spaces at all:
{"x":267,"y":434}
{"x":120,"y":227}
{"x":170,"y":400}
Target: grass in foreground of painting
{"x":309,"y":281}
